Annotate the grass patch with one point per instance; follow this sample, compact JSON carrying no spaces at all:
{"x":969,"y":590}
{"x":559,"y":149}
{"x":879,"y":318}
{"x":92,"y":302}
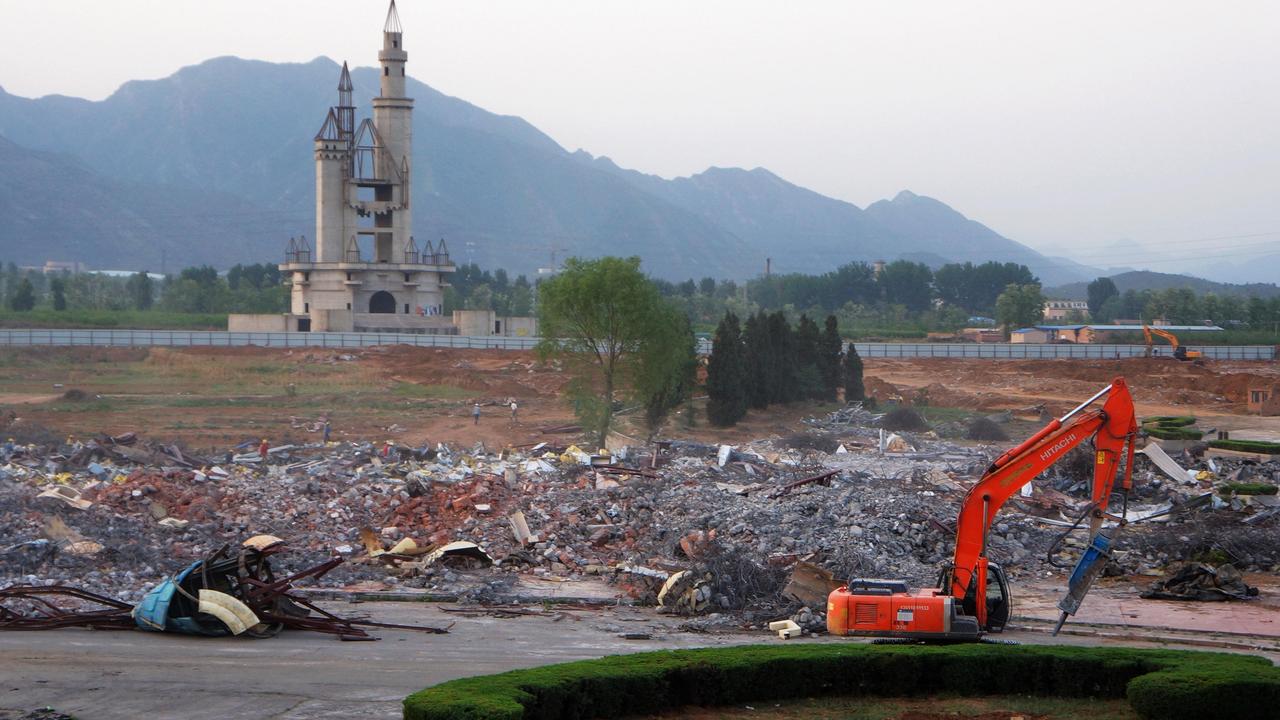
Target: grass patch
{"x":1254,"y":446}
{"x":1169,"y":684}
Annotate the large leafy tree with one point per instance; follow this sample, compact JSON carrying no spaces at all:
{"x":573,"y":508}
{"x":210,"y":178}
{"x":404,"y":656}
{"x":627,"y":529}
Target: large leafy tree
{"x":1099,"y":292}
{"x":141,"y":290}
{"x":666,"y":367}
{"x":907,"y":283}
{"x":1020,"y":306}
{"x":599,"y":316}
{"x":726,"y":374}
{"x":976,"y":287}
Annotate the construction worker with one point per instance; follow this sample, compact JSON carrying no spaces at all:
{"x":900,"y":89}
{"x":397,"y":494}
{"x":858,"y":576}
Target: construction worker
{"x":475,"y":414}
{"x":263,"y":449}
{"x":514,"y":408}
{"x":386,"y":449}
{"x":327,"y":429}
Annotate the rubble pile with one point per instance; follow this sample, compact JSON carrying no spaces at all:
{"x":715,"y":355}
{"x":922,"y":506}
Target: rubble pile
{"x":117,"y":514}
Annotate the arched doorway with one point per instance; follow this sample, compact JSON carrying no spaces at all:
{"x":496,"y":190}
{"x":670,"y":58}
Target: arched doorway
{"x":382,"y":302}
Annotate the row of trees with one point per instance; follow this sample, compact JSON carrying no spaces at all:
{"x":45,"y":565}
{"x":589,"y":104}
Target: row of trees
{"x":1181,"y":306}
{"x":244,"y":288}
{"x":764,"y":361}
{"x":471,"y":288}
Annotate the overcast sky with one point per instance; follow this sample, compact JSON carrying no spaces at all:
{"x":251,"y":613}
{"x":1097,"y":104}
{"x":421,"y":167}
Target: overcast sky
{"x":1077,"y":128}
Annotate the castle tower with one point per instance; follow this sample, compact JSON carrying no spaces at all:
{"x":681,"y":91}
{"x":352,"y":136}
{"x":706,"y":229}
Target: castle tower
{"x":368,"y":273}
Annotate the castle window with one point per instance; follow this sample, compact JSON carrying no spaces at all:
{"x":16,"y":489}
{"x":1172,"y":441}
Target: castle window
{"x":348,"y":306}
{"x":386,"y":71}
{"x":306,"y":307}
{"x":406,"y":308}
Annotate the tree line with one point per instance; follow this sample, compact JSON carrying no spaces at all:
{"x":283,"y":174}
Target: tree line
{"x":243,"y":288}
{"x":764,"y":361}
{"x":1181,"y":306}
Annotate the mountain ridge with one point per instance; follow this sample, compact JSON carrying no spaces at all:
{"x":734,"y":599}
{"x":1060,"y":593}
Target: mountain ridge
{"x":502,"y":192}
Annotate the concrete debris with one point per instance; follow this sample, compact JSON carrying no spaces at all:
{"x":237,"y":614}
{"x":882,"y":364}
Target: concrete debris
{"x":758,"y":528}
{"x":1197,"y":581}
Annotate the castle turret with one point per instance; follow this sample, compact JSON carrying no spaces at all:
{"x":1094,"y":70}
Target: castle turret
{"x":367,"y":273}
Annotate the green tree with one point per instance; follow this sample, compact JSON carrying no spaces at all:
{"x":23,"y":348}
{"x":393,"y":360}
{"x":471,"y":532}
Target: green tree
{"x":780,"y":363}
{"x":807,"y":368}
{"x":666,"y":366}
{"x":852,"y":381}
{"x":707,"y":286}
{"x":141,"y":290}
{"x":976,"y":287}
{"x":58,"y":289}
{"x":907,"y":283}
{"x":755,"y":341}
{"x":1099,"y":292}
{"x":1020,"y":306}
{"x":598,"y":315}
{"x":726,"y":375}
{"x":829,"y":349}
{"x":24,"y":297}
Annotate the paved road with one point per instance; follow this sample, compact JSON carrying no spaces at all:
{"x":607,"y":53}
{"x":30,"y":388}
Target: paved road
{"x":128,"y":675}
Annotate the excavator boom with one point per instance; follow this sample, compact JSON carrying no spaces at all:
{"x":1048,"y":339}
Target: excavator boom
{"x":962,"y":607}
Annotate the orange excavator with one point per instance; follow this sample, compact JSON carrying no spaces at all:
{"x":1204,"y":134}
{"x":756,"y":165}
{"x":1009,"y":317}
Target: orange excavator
{"x":972,"y":597}
{"x":1178,"y":350}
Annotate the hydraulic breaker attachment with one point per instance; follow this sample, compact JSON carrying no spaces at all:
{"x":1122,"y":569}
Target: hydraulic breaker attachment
{"x":1086,"y":571}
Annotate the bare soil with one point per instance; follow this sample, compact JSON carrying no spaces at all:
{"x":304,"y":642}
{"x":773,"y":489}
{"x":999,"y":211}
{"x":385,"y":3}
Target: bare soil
{"x":213,"y":397}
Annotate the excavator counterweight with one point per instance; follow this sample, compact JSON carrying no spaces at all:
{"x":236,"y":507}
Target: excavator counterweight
{"x":972,"y":595}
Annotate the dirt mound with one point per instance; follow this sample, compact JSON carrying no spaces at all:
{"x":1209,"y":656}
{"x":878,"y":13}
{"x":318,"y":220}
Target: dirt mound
{"x":903,"y":418}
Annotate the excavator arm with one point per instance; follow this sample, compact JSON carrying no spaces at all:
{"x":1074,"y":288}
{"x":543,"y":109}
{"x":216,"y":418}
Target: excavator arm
{"x":1113,"y":428}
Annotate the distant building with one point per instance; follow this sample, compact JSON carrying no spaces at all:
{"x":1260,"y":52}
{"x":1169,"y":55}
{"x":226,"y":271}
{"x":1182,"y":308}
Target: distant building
{"x":53,"y":267}
{"x":1062,"y":309}
{"x":1029,"y":335}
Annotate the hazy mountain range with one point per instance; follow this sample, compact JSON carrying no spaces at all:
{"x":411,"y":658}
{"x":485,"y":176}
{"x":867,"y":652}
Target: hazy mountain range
{"x":214,"y":165}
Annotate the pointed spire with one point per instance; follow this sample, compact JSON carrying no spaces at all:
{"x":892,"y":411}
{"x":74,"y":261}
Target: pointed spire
{"x":330,"y":130}
{"x":344,"y":80}
{"x":393,"y":20}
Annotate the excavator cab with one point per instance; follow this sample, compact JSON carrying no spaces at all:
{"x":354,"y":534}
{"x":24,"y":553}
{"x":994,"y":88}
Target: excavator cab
{"x":997,"y":598}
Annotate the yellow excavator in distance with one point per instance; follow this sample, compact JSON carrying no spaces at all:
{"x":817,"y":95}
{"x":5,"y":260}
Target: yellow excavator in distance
{"x":1179,"y":352}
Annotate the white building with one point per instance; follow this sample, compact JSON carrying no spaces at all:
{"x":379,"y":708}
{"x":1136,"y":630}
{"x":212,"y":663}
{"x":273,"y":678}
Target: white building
{"x":366,"y":271}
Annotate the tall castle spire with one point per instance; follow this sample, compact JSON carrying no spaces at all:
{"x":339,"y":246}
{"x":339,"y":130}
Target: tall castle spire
{"x":393,"y":20}
{"x":346,"y":109}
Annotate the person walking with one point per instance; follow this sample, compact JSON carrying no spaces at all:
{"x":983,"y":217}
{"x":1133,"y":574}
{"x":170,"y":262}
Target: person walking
{"x":264,"y":449}
{"x":475,"y":414}
{"x":514,"y":408}
{"x":327,"y":429}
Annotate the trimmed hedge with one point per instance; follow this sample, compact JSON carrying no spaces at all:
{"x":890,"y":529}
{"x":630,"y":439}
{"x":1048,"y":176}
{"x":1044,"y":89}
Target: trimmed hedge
{"x":1254,"y":446}
{"x":1169,"y":684}
{"x":1173,"y":433}
{"x":1170,"y":421}
{"x":1171,"y":427}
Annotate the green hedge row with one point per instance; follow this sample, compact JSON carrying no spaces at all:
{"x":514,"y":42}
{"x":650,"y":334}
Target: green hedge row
{"x":1173,"y":433}
{"x":1158,"y":683}
{"x":1170,"y":421}
{"x":1257,"y":446}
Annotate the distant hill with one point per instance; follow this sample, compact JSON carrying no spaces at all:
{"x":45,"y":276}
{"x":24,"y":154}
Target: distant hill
{"x":1147,"y":280}
{"x":215,"y":163}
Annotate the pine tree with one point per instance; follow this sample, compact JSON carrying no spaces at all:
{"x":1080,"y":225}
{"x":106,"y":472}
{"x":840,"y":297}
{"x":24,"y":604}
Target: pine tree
{"x":24,"y":298}
{"x":853,"y":388}
{"x":726,"y":375}
{"x":755,"y":341}
{"x":781,"y":363}
{"x":807,"y":372}
{"x":829,"y":352}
